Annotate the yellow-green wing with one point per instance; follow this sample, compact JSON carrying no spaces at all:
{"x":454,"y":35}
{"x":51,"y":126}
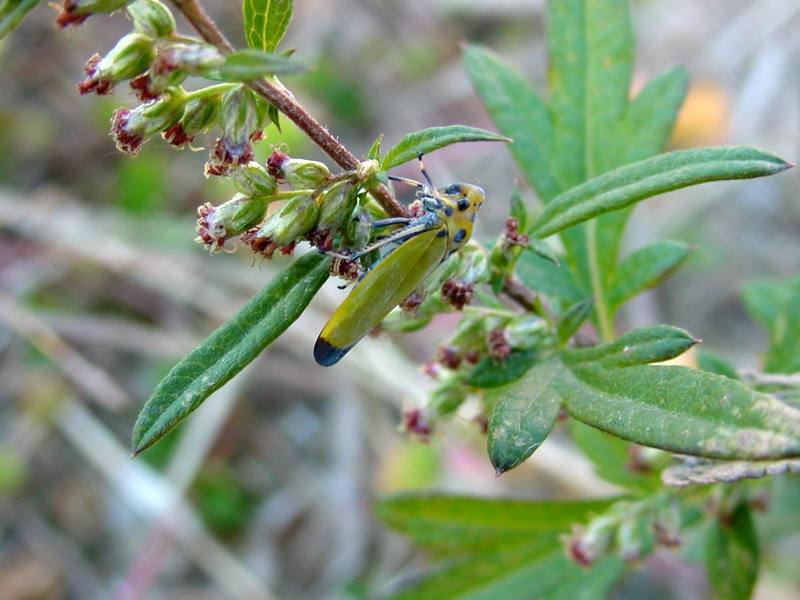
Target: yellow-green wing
{"x":383,"y":288}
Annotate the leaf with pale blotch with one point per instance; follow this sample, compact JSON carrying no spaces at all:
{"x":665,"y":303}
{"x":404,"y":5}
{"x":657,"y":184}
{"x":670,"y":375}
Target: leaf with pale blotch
{"x":681,"y":410}
{"x":732,"y":555}
{"x":523,"y":416}
{"x":707,"y":471}
{"x":266,"y":22}
{"x":433,"y":138}
{"x":230,"y":348}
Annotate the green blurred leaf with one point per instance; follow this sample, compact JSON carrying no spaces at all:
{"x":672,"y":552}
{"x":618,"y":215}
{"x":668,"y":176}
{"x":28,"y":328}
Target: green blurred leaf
{"x":732,"y":555}
{"x":142,"y":184}
{"x":543,"y":249}
{"x":247,"y":65}
{"x":489,"y":373}
{"x":638,"y":347}
{"x":523,"y":416}
{"x":516,"y":573}
{"x":13,"y":12}
{"x":776,"y":305}
{"x":520,"y":114}
{"x":463,"y":523}
{"x":266,"y":22}
{"x":230,"y":348}
{"x":646,"y":268}
{"x":433,"y":138}
{"x":681,"y":410}
{"x":635,"y":182}
{"x":611,"y":457}
{"x":713,"y":363}
{"x":572,"y":319}
{"x":519,"y":211}
{"x":541,"y":274}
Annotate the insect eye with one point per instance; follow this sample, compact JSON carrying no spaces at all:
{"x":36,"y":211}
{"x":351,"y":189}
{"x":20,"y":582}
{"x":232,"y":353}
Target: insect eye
{"x":463,"y":204}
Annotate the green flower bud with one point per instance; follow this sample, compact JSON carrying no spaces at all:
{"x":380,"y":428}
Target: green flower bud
{"x":297,"y":172}
{"x":238,"y":120}
{"x":367,"y":169}
{"x":282,"y":230}
{"x":131,"y":128}
{"x":131,"y":55}
{"x":336,"y":206}
{"x":217,"y":224}
{"x":254,"y":180}
{"x":199,"y":115}
{"x":586,"y":545}
{"x":75,"y":12}
{"x":152,"y":18}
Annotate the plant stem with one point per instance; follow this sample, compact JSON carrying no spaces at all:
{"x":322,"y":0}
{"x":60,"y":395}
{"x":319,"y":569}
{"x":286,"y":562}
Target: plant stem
{"x":282,"y":99}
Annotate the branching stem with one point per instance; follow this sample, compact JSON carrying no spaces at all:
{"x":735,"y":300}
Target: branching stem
{"x":283,"y":100}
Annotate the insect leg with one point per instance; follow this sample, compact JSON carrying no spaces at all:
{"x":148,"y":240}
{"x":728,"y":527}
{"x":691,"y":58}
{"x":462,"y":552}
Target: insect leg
{"x":391,"y":221}
{"x":428,"y":178}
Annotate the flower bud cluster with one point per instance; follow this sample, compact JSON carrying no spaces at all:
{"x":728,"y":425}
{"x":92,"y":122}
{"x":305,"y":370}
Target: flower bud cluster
{"x":75,"y":12}
{"x":627,"y":529}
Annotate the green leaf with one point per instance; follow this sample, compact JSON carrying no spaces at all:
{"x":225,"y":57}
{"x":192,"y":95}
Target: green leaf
{"x":520,"y":114}
{"x":632,"y":183}
{"x":489,"y":373}
{"x":638,"y":347}
{"x":646,"y":268}
{"x":433,"y":138}
{"x":230,"y":348}
{"x":464,"y":523}
{"x":516,"y":573}
{"x":543,"y":275}
{"x":776,"y":305}
{"x":732,"y":555}
{"x":266,"y":22}
{"x":611,"y":457}
{"x":572,"y":319}
{"x":247,"y":65}
{"x":713,"y":363}
{"x":375,"y":150}
{"x":12,"y":13}
{"x":543,"y":249}
{"x":523,"y":416}
{"x":681,"y":410}
{"x":519,"y":211}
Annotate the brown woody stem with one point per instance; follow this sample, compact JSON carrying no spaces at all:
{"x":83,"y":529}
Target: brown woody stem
{"x":279,"y":97}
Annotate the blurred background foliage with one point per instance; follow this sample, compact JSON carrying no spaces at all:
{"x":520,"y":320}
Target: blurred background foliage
{"x":267,"y":490}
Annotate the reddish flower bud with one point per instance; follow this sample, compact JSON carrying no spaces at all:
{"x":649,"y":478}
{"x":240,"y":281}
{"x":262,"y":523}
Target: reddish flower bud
{"x":499,"y":347}
{"x":512,"y":235}
{"x":412,"y":303}
{"x":416,"y":421}
{"x":345,"y":269}
{"x":131,"y":128}
{"x":458,"y":293}
{"x":142,"y":87}
{"x":75,"y":12}
{"x":217,"y":224}
{"x":297,"y":172}
{"x":131,"y":56}
{"x":294,"y":220}
{"x":448,"y":357}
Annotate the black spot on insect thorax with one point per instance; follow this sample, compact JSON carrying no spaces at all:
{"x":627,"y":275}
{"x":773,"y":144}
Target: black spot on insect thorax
{"x":459,"y":236}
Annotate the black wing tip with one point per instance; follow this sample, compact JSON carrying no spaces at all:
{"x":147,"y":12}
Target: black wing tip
{"x":326,"y":354}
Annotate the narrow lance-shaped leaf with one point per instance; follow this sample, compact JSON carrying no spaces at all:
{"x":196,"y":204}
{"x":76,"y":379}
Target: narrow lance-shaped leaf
{"x":519,"y":113}
{"x":732,"y":555}
{"x":433,"y":138}
{"x":464,"y":522}
{"x":247,"y":65}
{"x":230,"y":348}
{"x":12,"y":13}
{"x":638,"y":347}
{"x":632,"y":183}
{"x":523,"y":416}
{"x":266,"y":22}
{"x":572,"y":319}
{"x":645,"y":269}
{"x":489,"y":373}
